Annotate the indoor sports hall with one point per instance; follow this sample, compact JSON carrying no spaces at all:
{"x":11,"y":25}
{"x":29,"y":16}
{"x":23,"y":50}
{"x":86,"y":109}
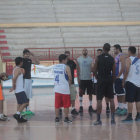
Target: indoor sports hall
{"x":48,"y":28}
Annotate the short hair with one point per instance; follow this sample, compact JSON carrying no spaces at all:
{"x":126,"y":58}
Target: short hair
{"x":132,"y":49}
{"x":67,"y":52}
{"x":118,"y":47}
{"x":106,"y":47}
{"x":62,"y":57}
{"x":26,"y":51}
{"x":18,"y":60}
{"x":99,"y":50}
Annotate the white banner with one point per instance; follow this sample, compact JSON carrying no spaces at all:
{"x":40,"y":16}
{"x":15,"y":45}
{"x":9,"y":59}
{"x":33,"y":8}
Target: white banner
{"x":39,"y":71}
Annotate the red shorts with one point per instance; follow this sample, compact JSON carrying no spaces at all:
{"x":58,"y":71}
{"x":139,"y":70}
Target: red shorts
{"x":62,"y":100}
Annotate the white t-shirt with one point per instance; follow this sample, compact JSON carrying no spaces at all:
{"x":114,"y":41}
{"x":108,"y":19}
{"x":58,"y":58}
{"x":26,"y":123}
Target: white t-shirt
{"x":61,"y":84}
{"x":134,"y":72}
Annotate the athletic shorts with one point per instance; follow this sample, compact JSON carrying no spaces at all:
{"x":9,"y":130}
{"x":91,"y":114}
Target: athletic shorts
{"x":132,"y":92}
{"x":21,"y":98}
{"x":86,"y":85}
{"x":1,"y":93}
{"x":119,"y":90}
{"x":105,"y":89}
{"x":28,"y":87}
{"x":73,"y":92}
{"x":62,"y":100}
{"x":95,"y":88}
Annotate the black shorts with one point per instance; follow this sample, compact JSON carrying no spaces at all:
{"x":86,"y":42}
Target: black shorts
{"x":132,"y":92}
{"x":95,"y":88}
{"x":119,"y":90}
{"x":21,"y":98}
{"x":86,"y":85}
{"x":105,"y":89}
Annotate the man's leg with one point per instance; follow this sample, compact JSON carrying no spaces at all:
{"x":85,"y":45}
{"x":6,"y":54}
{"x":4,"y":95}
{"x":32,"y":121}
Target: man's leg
{"x":73,"y":112}
{"x":99,"y":110}
{"x":129,"y":116}
{"x":81,"y":102}
{"x":138,"y":111}
{"x":107,"y":106}
{"x":112,"y":106}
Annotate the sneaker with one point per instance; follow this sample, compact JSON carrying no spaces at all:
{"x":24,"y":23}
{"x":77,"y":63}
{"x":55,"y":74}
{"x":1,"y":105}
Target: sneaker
{"x":74,"y":112}
{"x":137,"y":118}
{"x":91,"y":110}
{"x":16,"y":116}
{"x":3,"y":117}
{"x":123,"y":112}
{"x":22,"y":120}
{"x":29,"y":113}
{"x":97,"y":123}
{"x":67,"y":120}
{"x":81,"y":109}
{"x":113,"y":122}
{"x":118,"y":110}
{"x":57,"y":120}
{"x":128,"y":119}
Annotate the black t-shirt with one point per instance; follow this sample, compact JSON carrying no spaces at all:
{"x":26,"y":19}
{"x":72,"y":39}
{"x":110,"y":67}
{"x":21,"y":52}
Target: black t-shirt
{"x":72,"y":66}
{"x":27,"y":67}
{"x":105,"y":66}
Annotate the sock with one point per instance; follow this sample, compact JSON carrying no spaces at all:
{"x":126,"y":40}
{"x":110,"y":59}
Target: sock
{"x":125,"y":106}
{"x":121,"y":105}
{"x":112,"y":116}
{"x":90,"y":103}
{"x":73,"y":108}
{"x":18,"y":113}
{"x":81,"y":100}
{"x":98,"y":117}
{"x":130,"y":115}
{"x":1,"y":115}
{"x":27,"y":108}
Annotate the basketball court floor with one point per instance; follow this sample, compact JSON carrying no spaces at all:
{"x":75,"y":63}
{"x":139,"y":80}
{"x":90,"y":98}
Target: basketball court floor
{"x":42,"y":125}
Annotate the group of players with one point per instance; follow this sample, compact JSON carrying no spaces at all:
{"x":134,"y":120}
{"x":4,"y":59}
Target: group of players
{"x":22,"y":85}
{"x":118,"y":75}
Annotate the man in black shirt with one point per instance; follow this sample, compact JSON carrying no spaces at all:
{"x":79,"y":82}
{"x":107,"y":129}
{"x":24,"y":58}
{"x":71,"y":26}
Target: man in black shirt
{"x":73,"y":91}
{"x":28,"y":60}
{"x":104,"y":70}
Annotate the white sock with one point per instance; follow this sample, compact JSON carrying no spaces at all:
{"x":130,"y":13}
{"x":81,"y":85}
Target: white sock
{"x":121,"y":105}
{"x":18,"y":113}
{"x":73,"y":108}
{"x":81,"y":100}
{"x":27,"y":108}
{"x":125,"y":106}
{"x":90,"y":103}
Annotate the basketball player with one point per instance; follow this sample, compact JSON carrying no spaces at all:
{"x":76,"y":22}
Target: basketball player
{"x":62,"y":85}
{"x":73,"y":91}
{"x":119,"y":90}
{"x":132,"y":84}
{"x":18,"y":86}
{"x":99,"y":52}
{"x":84,"y":69}
{"x":104,"y":70}
{"x":2,"y":116}
{"x":28,"y":59}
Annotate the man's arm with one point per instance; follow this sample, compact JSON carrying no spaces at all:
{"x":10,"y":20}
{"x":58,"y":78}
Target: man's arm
{"x":16,"y":74}
{"x":34,"y":59}
{"x":69,"y":74}
{"x":95,"y":67}
{"x":122,"y":60}
{"x":114,"y":72}
{"x":128,"y":64}
{"x":78,"y":72}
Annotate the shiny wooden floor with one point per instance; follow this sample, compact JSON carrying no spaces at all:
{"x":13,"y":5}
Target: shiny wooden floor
{"x":42,"y":125}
